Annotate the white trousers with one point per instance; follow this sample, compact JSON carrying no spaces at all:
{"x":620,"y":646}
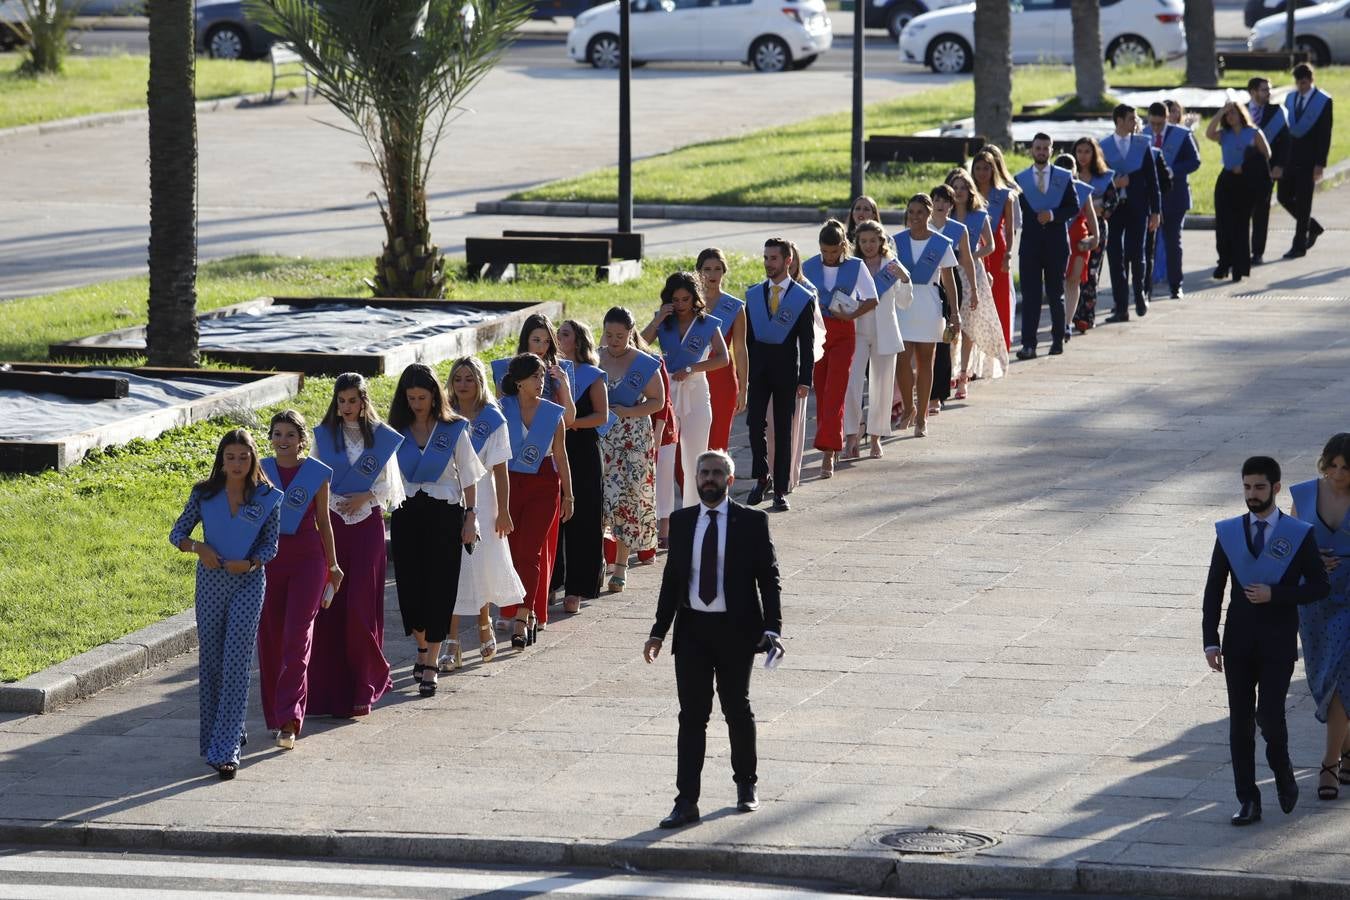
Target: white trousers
{"x":880,"y":387}
{"x":694,"y":425}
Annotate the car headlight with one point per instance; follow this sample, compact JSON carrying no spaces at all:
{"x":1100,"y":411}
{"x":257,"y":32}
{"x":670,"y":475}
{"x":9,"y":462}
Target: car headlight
{"x":913,"y":28}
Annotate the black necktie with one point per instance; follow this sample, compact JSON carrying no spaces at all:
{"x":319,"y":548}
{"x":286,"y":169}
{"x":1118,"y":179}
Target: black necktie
{"x":1299,"y":106}
{"x":707,"y":567}
{"x":1259,"y":542}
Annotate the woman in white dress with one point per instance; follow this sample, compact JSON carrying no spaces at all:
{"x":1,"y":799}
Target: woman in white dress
{"x":929,"y":259}
{"x":876,"y":343}
{"x":486,"y":575}
{"x":981,"y":331}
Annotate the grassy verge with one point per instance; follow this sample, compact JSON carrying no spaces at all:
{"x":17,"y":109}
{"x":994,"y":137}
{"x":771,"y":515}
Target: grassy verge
{"x":84,"y":554}
{"x":100,"y":84}
{"x":807,"y":164}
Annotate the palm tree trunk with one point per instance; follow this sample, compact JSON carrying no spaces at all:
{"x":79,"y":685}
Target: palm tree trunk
{"x":993,"y":71}
{"x":1089,"y":79}
{"x":171,"y":335}
{"x":1202,"y":68}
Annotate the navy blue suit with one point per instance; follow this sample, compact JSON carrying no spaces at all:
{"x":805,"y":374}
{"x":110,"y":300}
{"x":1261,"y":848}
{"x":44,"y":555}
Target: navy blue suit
{"x":1182,"y":157}
{"x":1129,"y":226}
{"x":1042,"y":257}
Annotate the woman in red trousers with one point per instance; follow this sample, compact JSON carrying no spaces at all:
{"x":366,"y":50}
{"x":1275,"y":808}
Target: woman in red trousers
{"x":1000,"y":198}
{"x":298,"y":578}
{"x":727,"y":385}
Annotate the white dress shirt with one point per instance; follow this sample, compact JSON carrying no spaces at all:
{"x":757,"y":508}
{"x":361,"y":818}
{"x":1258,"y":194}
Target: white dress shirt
{"x":719,"y":603}
{"x":388,"y":485}
{"x":1123,"y":145}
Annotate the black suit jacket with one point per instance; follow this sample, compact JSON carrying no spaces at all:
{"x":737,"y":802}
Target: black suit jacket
{"x":1279,"y":148}
{"x":1052,"y":238}
{"x":1311,"y":149}
{"x":749,"y":575}
{"x":796,"y":356}
{"x":1269,"y":629}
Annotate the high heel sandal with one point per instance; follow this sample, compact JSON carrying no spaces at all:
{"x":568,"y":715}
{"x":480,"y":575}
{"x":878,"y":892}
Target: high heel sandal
{"x":418,"y":668}
{"x":921,"y":428}
{"x":487,"y":642}
{"x":617,"y":581}
{"x":428,"y":686}
{"x":1333,"y":790}
{"x":827,"y":464}
{"x":520,"y":632}
{"x":851,"y":448}
{"x":875,"y":452}
{"x":961,"y":381}
{"x":533,"y":628}
{"x":452,"y":660}
{"x":1344,"y":776}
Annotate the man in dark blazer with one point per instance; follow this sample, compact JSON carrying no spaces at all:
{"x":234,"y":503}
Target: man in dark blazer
{"x":1273,"y":564}
{"x":1180,"y":158}
{"x":1049,"y":203}
{"x":1139,"y":211}
{"x":720,"y":588}
{"x":780,"y":339}
{"x":1270,"y":118}
{"x":1308,"y":110}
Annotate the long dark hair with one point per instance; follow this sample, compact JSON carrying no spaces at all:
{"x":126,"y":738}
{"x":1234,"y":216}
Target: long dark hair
{"x":1339,"y":445}
{"x":522,"y":366}
{"x":214,"y":483}
{"x":691,"y":283}
{"x":622,"y":315}
{"x":1098,"y":165}
{"x":418,"y":375}
{"x":584,"y":341}
{"x":533,"y":322}
{"x":369,"y":418}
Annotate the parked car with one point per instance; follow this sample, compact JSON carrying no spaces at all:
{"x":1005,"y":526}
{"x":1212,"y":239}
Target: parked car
{"x":224,"y":31}
{"x":1133,"y":32}
{"x":1323,"y":31}
{"x":771,"y":35}
{"x":1256,"y":10}
{"x":12,"y":19}
{"x":553,"y":9}
{"x":894,"y":15}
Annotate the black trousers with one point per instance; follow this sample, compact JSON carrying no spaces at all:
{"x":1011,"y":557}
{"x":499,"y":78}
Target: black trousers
{"x":942,"y":353}
{"x":1125,"y":248}
{"x":1257,"y":689}
{"x":579,"y":565}
{"x":766,"y":388}
{"x":424,"y":537}
{"x":710,"y":653}
{"x":1295,"y":194}
{"x":1261,"y":191}
{"x":1233,"y":222}
{"x":1042,"y":274}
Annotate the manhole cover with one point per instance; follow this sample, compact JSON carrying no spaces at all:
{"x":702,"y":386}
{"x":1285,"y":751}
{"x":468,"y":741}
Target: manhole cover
{"x":934,"y":840}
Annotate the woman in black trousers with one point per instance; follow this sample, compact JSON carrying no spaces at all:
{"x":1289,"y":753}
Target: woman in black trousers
{"x":1245,"y":153}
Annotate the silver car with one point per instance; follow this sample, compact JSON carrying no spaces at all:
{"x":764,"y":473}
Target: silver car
{"x":1323,"y":31}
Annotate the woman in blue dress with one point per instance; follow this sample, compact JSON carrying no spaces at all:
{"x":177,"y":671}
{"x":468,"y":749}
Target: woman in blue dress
{"x":241,"y":522}
{"x":1324,"y":627}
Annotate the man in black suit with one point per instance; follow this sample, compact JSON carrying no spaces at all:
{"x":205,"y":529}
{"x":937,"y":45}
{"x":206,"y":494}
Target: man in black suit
{"x":1308,"y":109}
{"x":1274,"y":566}
{"x":1139,"y":212}
{"x":1270,"y":118}
{"x":1049,"y":203}
{"x":720,"y":587}
{"x":780,"y":338}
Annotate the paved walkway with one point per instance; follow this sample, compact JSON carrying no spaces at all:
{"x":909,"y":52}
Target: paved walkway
{"x":995,"y":628}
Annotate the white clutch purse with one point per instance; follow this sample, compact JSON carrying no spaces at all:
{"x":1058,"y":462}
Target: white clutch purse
{"x":843,"y":303}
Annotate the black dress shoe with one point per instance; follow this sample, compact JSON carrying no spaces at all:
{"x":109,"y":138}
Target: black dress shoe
{"x":1315,"y":230}
{"x":1295,"y":253}
{"x":1141,"y":309}
{"x":780,"y":503}
{"x":757,"y":493}
{"x":1056,"y":348}
{"x":1257,"y":260}
{"x":1026,"y":353}
{"x":1249,"y":812}
{"x":687,"y":814}
{"x":1220,"y":273}
{"x":1177,"y":294}
{"x":747,"y":798}
{"x":1286,"y":787}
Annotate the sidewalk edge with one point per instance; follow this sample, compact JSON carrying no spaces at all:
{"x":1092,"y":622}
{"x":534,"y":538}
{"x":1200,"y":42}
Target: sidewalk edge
{"x":56,"y":126}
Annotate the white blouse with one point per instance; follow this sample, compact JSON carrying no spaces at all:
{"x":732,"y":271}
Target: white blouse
{"x":388,"y":485}
{"x":463,"y":470}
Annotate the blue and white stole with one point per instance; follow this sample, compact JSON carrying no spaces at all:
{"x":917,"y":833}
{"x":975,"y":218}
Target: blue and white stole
{"x":1057,"y":182}
{"x":1304,"y":496}
{"x":426,"y":465}
{"x":499,"y":367}
{"x":300,"y":494}
{"x":530,"y":446}
{"x":1134,"y":158}
{"x":1173,"y":137}
{"x":629,"y":389}
{"x":883,"y":278}
{"x":1299,"y":125}
{"x":726,"y":309}
{"x":1084,"y":191}
{"x":921,"y":270}
{"x":1234,"y":145}
{"x":232,"y":536}
{"x":953,"y":231}
{"x":680,"y":354}
{"x":1101,"y":182}
{"x":356,"y":477}
{"x":586,"y":376}
{"x":974,"y":223}
{"x":790,"y":305}
{"x":813,"y":270}
{"x":1281,"y":545}
{"x":998,"y":203}
{"x":1274,"y":124}
{"x":488,"y":420}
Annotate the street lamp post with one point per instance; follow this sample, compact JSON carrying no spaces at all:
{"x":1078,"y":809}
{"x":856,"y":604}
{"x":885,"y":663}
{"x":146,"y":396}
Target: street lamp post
{"x":856,"y":148}
{"x":625,"y":118}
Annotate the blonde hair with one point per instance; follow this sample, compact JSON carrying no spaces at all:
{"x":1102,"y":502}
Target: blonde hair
{"x":484,"y":396}
{"x":960,"y":173}
{"x":872,"y":226}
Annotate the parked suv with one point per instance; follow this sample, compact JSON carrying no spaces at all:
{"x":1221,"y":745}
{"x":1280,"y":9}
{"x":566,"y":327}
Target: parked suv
{"x":894,"y":15}
{"x":12,"y":19}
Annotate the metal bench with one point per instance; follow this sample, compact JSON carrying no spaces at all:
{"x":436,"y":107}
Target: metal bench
{"x":284,"y":55}
{"x":1261,"y":61}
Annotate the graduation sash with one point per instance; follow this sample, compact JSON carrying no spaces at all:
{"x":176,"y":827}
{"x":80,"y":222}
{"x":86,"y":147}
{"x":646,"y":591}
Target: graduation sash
{"x":1299,"y":125}
{"x":586,"y":375}
{"x":974,"y":223}
{"x":300,"y":493}
{"x":953,"y":231}
{"x":230,"y":536}
{"x":358,"y":476}
{"x":425,"y":465}
{"x":813,"y":270}
{"x":1281,"y":544}
{"x":1084,"y":192}
{"x":1057,"y":182}
{"x":790,"y":305}
{"x":921,"y":270}
{"x":727,"y":308}
{"x":1234,"y":145}
{"x":1304,"y":495}
{"x":1273,"y":124}
{"x":488,"y":420}
{"x":883,"y":278}
{"x":530,"y":446}
{"x":629,"y":389}
{"x":680,"y":354}
{"x":1101,"y":182}
{"x":499,"y":367}
{"x":1173,"y":137}
{"x":1132,"y":160}
{"x":998,"y":202}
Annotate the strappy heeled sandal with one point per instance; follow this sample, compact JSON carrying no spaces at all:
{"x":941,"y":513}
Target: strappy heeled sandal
{"x":1344,"y":775}
{"x":520,"y":632}
{"x":961,"y":381}
{"x":429,"y":682}
{"x":827,"y":464}
{"x":487,"y":643}
{"x":452,"y":660}
{"x":875,"y":452}
{"x":617,"y":581}
{"x":1333,"y":790}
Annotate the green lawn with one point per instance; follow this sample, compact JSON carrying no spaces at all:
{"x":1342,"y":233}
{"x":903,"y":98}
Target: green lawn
{"x":84,"y":554}
{"x":807,"y":163}
{"x":100,"y":84}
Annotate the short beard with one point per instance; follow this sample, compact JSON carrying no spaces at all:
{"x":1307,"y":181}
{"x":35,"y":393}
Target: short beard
{"x":711,"y":492}
{"x":1258,"y":506}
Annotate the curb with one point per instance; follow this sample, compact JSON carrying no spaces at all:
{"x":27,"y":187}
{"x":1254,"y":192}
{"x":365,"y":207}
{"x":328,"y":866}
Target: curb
{"x":875,"y":871}
{"x":57,"y":126}
{"x":103,"y":666}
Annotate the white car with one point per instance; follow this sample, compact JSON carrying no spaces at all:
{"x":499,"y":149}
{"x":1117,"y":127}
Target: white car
{"x":771,"y":35}
{"x":1323,"y":31}
{"x":1133,"y":31}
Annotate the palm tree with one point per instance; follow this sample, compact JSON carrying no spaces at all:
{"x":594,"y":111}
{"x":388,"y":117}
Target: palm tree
{"x":398,"y":70}
{"x":1089,"y":78}
{"x":1202,"y":68}
{"x":171,"y":335}
{"x":993,"y":71}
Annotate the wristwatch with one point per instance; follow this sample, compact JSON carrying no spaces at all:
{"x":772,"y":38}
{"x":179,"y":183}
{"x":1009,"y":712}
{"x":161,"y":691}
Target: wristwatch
{"x":468,"y":509}
{"x":689,"y":370}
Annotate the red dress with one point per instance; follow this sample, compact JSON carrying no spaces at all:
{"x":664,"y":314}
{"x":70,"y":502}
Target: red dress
{"x":1078,"y":232}
{"x":723,"y":387}
{"x":1001,"y":281}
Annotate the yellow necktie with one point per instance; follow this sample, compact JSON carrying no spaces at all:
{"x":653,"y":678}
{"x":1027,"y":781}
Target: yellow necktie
{"x":773,"y":300}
